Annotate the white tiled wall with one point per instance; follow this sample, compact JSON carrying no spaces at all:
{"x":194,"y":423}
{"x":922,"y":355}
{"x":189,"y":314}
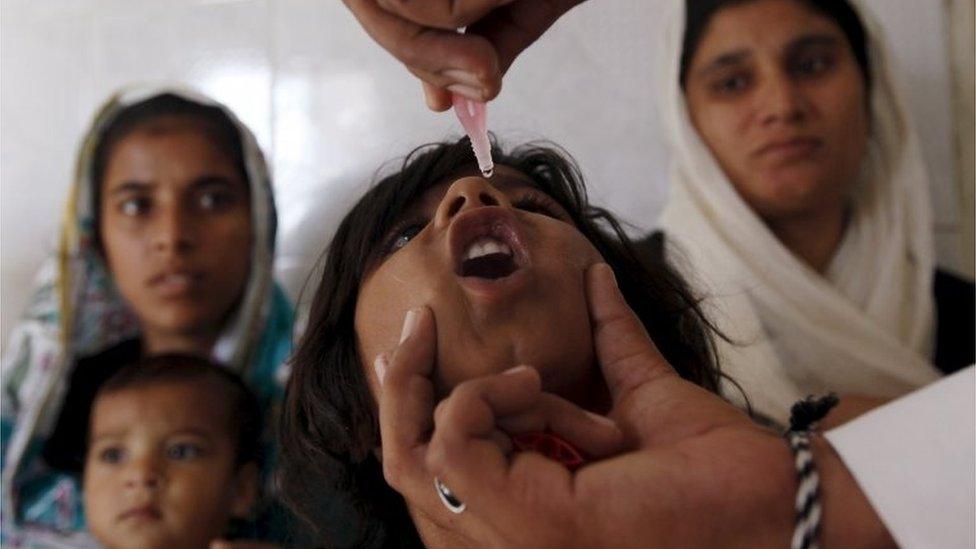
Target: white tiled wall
{"x":330,"y":106}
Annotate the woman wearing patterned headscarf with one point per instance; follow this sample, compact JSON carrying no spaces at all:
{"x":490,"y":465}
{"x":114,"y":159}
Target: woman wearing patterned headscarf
{"x":167,"y":246}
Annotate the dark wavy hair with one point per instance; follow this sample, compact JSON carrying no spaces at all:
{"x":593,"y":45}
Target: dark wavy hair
{"x":329,"y":425}
{"x":699,"y":13}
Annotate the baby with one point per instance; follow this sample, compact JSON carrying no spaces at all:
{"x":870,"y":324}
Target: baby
{"x":173,"y":451}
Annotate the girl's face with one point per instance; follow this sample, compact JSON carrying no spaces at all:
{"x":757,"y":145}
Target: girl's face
{"x":502,"y":267}
{"x":776,"y":93}
{"x":176,"y":228}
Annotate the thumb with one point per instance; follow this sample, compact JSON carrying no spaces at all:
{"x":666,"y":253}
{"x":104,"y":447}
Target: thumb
{"x":514,"y":27}
{"x":623,"y":349}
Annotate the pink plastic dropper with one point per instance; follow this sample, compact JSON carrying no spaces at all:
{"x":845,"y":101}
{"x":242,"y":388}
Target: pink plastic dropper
{"x":472,"y":116}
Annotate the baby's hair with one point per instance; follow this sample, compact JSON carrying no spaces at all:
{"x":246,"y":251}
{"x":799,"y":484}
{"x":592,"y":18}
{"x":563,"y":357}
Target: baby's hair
{"x":329,"y":427}
{"x":144,"y":115}
{"x":179,"y":368}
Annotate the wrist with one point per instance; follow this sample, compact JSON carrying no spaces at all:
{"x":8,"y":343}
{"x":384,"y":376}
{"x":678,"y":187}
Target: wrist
{"x":848,"y":517}
{"x":774,"y":517}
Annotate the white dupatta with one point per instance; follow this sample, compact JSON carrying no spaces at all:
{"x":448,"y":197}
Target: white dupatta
{"x":867,"y":326}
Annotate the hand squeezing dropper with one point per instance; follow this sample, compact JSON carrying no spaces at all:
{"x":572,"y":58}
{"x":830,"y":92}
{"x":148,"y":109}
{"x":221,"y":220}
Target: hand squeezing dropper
{"x":472,"y":116}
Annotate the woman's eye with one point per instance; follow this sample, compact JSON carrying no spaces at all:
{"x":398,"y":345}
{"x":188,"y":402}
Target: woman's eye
{"x":812,"y":65}
{"x":215,"y":200}
{"x":403,"y":237}
{"x":731,"y":84}
{"x":183,"y":451}
{"x":111,"y":454}
{"x":135,"y":206}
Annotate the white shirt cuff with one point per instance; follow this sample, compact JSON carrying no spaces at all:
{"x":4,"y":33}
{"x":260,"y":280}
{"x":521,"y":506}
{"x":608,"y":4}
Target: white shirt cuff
{"x":915,"y":460}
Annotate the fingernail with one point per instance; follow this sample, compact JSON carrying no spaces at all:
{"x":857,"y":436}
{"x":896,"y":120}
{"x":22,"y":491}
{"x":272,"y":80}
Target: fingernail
{"x":462,"y":77}
{"x":475,"y":94}
{"x":603,"y":420}
{"x":379,"y":367}
{"x":409,"y":324}
{"x":431,"y":101}
{"x":515,"y":370}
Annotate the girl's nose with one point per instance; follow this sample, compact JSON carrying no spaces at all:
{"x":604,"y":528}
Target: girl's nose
{"x":465,"y":194}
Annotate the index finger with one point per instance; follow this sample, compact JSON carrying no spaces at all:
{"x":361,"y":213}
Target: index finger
{"x":444,"y":14}
{"x":462,"y":453}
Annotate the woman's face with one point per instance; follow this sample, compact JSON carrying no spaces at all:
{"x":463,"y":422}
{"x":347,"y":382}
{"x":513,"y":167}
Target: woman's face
{"x":776,"y":93}
{"x":502,"y":267}
{"x":176,"y":227}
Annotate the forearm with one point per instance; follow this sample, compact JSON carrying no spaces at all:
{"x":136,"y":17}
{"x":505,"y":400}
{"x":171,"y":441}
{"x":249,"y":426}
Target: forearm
{"x":848,"y":518}
{"x":734,"y":488}
{"x":763,"y":513}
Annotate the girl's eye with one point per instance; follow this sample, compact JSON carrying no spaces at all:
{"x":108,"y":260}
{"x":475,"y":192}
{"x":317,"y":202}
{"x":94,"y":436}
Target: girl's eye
{"x":537,"y":205}
{"x":135,"y":206}
{"x":184,"y":451}
{"x":111,"y":454}
{"x":403,"y":237}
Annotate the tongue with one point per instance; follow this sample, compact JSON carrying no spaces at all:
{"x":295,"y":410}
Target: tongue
{"x":492,"y":266}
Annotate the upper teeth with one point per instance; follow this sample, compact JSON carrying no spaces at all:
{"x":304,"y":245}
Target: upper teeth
{"x":486,"y":246}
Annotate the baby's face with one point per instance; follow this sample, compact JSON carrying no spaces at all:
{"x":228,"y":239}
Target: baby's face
{"x":502,"y":267}
{"x":160,"y":469}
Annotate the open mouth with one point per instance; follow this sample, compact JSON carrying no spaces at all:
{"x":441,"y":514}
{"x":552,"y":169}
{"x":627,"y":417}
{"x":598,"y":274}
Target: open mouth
{"x":488,"y":258}
{"x":487,"y":245}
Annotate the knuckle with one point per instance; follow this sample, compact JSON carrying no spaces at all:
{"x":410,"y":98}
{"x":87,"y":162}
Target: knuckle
{"x":404,"y":47}
{"x":435,"y":459}
{"x":398,"y":7}
{"x":468,"y":391}
{"x":441,"y":412}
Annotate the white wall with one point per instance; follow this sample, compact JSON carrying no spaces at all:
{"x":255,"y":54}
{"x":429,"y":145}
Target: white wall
{"x":329,"y":106}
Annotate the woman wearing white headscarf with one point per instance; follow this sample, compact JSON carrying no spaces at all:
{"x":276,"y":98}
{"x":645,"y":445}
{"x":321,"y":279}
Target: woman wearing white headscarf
{"x":166,"y":246}
{"x":801,"y":203}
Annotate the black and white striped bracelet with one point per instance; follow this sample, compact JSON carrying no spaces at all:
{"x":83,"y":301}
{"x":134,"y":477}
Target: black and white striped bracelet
{"x":803,"y":420}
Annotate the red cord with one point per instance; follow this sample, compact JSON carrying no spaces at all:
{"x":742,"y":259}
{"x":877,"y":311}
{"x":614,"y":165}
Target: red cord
{"x":550,"y":446}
